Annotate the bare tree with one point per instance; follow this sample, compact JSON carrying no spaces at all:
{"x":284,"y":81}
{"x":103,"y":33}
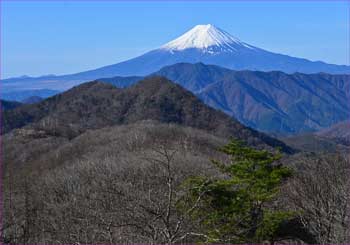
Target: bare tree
{"x":320,"y":193}
{"x":163,"y":221}
{"x":126,"y":189}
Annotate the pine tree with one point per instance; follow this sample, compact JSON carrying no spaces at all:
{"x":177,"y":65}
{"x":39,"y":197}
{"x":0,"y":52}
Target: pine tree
{"x":238,"y":208}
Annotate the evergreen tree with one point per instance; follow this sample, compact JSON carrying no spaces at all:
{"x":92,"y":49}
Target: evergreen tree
{"x":238,"y":208}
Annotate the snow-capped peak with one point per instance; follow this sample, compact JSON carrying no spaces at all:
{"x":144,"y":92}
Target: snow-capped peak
{"x":206,"y":37}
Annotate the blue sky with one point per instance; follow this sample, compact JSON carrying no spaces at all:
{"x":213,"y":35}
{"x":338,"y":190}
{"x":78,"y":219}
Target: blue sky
{"x":53,"y":37}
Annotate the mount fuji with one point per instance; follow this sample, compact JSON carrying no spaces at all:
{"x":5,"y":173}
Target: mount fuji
{"x":203,"y":43}
{"x":211,"y":45}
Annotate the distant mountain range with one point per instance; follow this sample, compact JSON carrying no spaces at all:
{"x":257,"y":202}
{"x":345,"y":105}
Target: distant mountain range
{"x":273,"y":102}
{"x":203,"y":43}
{"x":18,"y":91}
{"x":9,"y":105}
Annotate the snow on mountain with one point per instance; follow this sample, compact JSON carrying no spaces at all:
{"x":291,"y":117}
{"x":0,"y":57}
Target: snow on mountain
{"x":206,"y":37}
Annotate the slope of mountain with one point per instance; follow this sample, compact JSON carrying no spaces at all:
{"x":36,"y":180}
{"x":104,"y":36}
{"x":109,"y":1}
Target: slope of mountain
{"x":317,"y":144}
{"x":96,"y":105}
{"x":273,"y":102}
{"x":32,"y":100}
{"x":31,"y":149}
{"x":8,"y":105}
{"x":86,"y":177}
{"x":211,"y":45}
{"x":281,"y":103}
{"x":121,"y":82}
{"x":203,"y":43}
{"x":339,"y":132}
{"x":18,"y":92}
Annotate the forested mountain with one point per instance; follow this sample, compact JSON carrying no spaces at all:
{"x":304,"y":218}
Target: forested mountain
{"x":95,"y":105}
{"x":339,"y":132}
{"x":7,"y":105}
{"x":100,"y":164}
{"x":273,"y":102}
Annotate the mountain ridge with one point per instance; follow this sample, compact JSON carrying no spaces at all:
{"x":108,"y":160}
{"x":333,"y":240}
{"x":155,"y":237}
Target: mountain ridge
{"x":273,"y":102}
{"x":96,"y":105}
